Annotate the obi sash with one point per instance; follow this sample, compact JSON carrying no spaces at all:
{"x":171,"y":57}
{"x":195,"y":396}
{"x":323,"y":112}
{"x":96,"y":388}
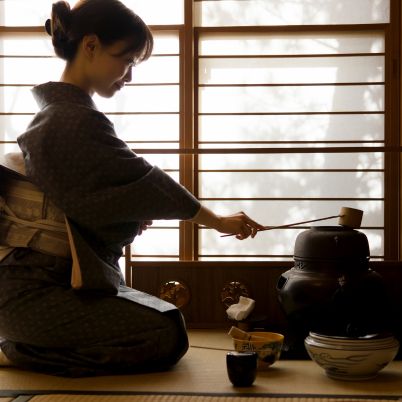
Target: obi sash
{"x":29,"y":219}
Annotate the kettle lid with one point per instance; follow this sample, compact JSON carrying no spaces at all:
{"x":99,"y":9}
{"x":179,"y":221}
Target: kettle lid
{"x":331,"y":242}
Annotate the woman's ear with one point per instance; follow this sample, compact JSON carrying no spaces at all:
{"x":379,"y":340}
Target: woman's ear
{"x":90,"y":45}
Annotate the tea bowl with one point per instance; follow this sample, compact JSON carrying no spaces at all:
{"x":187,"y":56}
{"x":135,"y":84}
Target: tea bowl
{"x":267,"y":345}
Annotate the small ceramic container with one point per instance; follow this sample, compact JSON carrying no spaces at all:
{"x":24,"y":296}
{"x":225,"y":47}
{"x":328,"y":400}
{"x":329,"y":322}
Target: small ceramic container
{"x":242,"y":368}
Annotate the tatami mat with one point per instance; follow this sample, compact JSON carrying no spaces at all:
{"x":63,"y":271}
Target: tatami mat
{"x":185,"y":398}
{"x":201,"y":371}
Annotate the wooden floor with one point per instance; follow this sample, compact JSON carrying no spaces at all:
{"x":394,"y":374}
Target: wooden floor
{"x":203,"y":371}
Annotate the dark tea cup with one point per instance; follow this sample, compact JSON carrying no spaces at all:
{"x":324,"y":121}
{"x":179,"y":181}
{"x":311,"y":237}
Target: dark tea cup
{"x":242,"y":368}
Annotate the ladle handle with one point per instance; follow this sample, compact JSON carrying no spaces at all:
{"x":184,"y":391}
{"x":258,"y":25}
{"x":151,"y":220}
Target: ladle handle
{"x":291,"y":224}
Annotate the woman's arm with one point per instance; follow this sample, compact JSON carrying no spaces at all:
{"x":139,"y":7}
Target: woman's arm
{"x":238,"y":224}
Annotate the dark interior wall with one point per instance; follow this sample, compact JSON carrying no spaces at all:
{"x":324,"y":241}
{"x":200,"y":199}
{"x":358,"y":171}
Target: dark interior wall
{"x":207,"y":285}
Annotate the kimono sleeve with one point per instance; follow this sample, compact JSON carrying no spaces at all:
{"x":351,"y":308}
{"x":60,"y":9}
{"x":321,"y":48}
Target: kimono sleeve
{"x":76,"y":158}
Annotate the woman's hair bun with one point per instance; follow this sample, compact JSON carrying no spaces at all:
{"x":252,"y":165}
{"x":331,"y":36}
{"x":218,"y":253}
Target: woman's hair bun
{"x":48,"y":27}
{"x":109,"y":20}
{"x":59,"y":28}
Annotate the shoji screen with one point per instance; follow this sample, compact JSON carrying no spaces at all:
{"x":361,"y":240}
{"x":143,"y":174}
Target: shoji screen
{"x":283,"y":88}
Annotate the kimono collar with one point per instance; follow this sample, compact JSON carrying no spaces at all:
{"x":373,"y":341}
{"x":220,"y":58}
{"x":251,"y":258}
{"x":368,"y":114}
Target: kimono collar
{"x":51,"y":92}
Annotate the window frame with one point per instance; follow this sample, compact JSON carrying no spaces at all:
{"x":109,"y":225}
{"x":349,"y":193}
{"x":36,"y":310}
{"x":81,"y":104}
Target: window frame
{"x":392,"y":136}
{"x":206,"y":279}
{"x":391,"y":163}
{"x":392,"y":96}
{"x":189,"y":35}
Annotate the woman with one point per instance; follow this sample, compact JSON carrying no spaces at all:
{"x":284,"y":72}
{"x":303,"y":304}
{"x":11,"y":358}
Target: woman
{"x":64,"y":308}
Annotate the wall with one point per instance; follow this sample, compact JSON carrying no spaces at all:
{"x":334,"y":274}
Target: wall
{"x":206,"y":281}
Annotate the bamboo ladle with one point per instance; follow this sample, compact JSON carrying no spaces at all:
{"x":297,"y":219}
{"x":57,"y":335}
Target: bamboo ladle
{"x":348,"y":217}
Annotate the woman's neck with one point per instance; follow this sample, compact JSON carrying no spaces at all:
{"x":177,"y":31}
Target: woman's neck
{"x":73,"y":75}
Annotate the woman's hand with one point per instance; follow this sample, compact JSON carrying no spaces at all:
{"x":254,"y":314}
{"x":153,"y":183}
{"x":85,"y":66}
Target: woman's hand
{"x":144,"y":226}
{"x":239,"y":225}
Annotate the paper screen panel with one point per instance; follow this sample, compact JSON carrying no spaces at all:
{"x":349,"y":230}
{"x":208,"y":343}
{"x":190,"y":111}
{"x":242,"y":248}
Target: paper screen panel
{"x":324,"y":98}
{"x":158,"y":12}
{"x":275,"y":242}
{"x":289,"y":43}
{"x":44,"y":69}
{"x":36,"y":12}
{"x":292,"y":184}
{"x":163,"y":242}
{"x":26,"y":43}
{"x":290,"y":12}
{"x":157,"y":69}
{"x":314,"y":161}
{"x":359,"y":127}
{"x":213,"y":71}
{"x":133,"y":99}
{"x":147,"y":127}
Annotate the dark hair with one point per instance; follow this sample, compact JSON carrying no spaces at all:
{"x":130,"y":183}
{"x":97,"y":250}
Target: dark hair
{"x":110,"y":20}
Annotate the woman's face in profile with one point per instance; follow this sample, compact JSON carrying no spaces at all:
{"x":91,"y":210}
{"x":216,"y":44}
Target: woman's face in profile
{"x":111,"y":68}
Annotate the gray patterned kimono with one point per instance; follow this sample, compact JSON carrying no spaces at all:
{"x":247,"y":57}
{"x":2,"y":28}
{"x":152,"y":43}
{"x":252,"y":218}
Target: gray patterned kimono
{"x":105,"y":190}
